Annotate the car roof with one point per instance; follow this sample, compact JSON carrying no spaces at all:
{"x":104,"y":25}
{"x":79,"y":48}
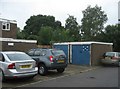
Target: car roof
{"x":112,"y":52}
{"x":38,"y":48}
{"x":45,"y":49}
{"x":12,"y":52}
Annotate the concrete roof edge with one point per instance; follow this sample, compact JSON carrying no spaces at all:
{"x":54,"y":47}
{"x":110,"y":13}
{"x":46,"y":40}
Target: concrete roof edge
{"x":6,"y":20}
{"x":18,"y":40}
{"x":90,"y":42}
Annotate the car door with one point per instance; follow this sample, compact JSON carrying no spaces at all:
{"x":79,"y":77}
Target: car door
{"x":36,"y":55}
{"x":2,"y":59}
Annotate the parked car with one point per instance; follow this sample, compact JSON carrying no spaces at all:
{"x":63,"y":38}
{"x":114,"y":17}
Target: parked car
{"x":111,"y":58}
{"x":17,"y":65}
{"x":49,"y":59}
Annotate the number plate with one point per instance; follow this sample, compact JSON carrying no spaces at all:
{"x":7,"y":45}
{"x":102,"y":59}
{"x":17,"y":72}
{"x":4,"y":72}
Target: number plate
{"x":25,"y":66}
{"x":60,"y":61}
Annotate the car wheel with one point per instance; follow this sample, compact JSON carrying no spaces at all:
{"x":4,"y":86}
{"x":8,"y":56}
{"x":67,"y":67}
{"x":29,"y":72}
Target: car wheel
{"x":2,"y":76}
{"x":61,"y":70}
{"x":42,"y":70}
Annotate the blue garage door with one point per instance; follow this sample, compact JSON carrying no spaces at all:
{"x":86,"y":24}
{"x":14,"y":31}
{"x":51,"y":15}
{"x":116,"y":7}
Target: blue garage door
{"x":81,"y":54}
{"x":64,"y":48}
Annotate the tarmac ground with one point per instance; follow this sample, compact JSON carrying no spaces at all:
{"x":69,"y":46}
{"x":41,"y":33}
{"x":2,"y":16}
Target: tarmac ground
{"x":52,"y":74}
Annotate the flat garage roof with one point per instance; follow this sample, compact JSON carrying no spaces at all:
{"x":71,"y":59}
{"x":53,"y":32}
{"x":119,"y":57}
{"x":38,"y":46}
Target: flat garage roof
{"x":90,"y":42}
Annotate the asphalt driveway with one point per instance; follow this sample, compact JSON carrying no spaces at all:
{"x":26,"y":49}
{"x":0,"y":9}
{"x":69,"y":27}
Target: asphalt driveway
{"x":70,"y":70}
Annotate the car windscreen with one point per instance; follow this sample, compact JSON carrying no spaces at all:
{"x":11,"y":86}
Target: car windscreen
{"x":18,"y":57}
{"x":58,"y":52}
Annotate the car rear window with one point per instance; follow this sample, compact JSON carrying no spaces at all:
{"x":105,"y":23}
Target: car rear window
{"x":110,"y":54}
{"x":118,"y":54}
{"x":18,"y":57}
{"x":58,"y":52}
{"x":31,"y":52}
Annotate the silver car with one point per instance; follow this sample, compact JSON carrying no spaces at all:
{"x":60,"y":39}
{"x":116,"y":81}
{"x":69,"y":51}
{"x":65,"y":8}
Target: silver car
{"x":112,"y":58}
{"x":17,"y":65}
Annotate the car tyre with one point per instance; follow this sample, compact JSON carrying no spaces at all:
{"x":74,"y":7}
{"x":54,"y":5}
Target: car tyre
{"x":42,"y":70}
{"x":61,"y":70}
{"x":3,"y":77}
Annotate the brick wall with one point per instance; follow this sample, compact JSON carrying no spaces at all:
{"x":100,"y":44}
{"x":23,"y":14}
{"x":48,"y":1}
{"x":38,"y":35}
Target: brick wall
{"x":17,"y":46}
{"x":10,"y":33}
{"x":97,"y":51}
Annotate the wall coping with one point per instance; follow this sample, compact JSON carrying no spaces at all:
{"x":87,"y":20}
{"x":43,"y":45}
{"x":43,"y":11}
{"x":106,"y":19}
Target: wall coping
{"x":6,"y":20}
{"x":89,"y":43}
{"x":17,"y":40}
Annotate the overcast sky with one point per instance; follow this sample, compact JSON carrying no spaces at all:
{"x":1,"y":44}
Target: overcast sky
{"x":21,"y":10}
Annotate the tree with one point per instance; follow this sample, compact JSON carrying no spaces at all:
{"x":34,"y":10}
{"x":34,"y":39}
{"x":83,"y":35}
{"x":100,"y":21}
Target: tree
{"x":45,"y":35}
{"x":20,"y":34}
{"x":60,"y":35}
{"x":32,"y":37}
{"x":92,"y":22}
{"x":72,"y":26}
{"x":34,"y":23}
{"x":112,"y":35}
